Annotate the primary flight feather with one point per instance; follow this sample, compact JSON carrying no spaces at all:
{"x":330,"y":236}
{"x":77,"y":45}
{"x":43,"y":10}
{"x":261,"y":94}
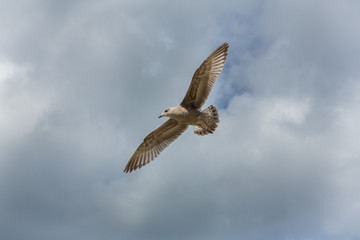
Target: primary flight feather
{"x":187,"y":113}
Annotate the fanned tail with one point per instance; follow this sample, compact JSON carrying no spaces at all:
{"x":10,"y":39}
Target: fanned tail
{"x":211,"y":118}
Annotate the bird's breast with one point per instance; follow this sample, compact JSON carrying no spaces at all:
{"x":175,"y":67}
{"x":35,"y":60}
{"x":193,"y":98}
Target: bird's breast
{"x":190,"y":117}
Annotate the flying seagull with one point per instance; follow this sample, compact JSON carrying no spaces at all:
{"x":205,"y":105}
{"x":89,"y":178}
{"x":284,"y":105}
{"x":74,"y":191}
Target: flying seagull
{"x":187,"y":113}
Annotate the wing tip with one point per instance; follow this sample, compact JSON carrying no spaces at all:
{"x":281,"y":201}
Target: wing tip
{"x":130,"y":169}
{"x":221,"y":51}
{"x":225,"y":45}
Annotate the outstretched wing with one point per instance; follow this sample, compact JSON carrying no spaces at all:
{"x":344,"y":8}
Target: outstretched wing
{"x":154,"y":143}
{"x":205,"y":77}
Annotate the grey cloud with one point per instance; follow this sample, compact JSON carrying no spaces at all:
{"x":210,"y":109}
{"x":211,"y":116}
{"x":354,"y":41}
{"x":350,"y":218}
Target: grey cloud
{"x":283,"y":163}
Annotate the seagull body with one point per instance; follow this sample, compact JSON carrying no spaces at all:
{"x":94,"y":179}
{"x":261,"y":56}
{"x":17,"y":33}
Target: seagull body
{"x":188,"y":112}
{"x":186,"y":115}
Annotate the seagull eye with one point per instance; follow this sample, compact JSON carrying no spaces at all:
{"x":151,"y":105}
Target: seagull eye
{"x":166,"y":110}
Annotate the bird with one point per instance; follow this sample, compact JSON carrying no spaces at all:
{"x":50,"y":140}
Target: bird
{"x":188,"y":112}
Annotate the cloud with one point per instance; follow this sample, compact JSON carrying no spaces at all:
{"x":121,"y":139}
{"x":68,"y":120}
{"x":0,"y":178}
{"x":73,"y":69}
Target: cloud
{"x":81,"y":84}
{"x":20,"y":107}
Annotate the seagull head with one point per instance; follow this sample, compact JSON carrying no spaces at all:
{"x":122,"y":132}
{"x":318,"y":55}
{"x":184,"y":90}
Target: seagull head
{"x":166,"y":113}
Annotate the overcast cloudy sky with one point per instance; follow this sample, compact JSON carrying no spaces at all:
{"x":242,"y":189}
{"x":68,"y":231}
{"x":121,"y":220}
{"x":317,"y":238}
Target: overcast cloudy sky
{"x":82,"y":83}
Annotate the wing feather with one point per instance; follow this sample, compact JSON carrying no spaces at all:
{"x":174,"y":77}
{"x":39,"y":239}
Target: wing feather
{"x":204,"y":78}
{"x":154,"y":143}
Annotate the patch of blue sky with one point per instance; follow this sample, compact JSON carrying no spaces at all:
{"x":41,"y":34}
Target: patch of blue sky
{"x":246,"y":45}
{"x":234,"y":78}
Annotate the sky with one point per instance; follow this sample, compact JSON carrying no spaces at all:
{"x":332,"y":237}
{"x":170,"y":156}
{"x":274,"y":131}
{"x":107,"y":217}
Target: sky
{"x":82,"y":83}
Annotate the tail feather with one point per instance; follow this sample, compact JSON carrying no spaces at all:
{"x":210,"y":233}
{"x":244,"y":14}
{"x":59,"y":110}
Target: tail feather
{"x":201,"y":131}
{"x":211,"y":117}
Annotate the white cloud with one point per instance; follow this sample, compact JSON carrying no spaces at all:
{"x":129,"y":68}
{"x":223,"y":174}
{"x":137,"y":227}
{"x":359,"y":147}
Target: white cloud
{"x":20,"y":109}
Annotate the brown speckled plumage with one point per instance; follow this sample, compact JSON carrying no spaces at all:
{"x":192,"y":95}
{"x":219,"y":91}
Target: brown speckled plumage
{"x":187,"y":113}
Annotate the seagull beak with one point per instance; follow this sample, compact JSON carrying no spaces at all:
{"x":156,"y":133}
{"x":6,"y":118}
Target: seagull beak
{"x":161,"y":116}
